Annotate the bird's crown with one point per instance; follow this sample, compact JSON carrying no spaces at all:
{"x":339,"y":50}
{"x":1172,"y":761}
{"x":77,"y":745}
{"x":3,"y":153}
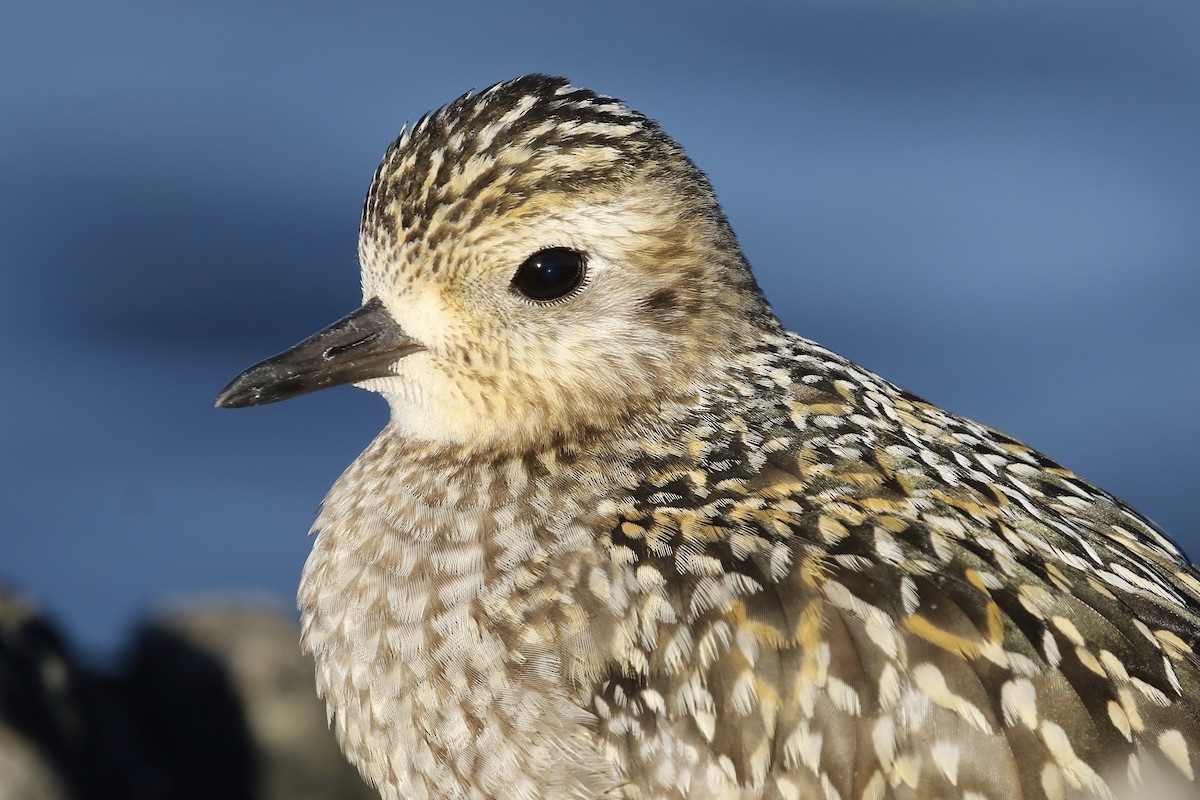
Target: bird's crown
{"x":498,"y":148}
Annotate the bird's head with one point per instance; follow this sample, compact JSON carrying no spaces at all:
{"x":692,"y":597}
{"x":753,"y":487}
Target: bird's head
{"x":537,"y":261}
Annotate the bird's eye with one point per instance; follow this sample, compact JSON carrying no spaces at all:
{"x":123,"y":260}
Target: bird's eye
{"x":550,"y":274}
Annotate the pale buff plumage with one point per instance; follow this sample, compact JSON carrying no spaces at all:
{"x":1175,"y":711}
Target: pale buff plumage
{"x":643,"y":543}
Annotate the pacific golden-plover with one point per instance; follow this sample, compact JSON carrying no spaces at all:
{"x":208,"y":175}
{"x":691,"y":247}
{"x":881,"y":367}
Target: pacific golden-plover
{"x":626,"y":537}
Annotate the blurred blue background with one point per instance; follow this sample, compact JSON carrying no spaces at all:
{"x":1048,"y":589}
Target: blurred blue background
{"x":993,"y":204}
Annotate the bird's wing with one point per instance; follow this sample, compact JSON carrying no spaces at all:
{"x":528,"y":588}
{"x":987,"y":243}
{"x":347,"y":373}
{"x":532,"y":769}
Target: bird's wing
{"x":884,"y":600}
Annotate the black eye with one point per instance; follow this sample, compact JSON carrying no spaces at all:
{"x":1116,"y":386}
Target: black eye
{"x":550,"y":274}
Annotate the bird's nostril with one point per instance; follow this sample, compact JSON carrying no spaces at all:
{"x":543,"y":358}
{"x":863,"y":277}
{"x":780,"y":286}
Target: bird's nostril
{"x":337,"y":350}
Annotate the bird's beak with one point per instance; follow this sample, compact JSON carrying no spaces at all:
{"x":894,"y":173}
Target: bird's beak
{"x":364,"y":344}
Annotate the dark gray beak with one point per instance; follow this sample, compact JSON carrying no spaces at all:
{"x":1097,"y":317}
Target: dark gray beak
{"x":363,"y":345}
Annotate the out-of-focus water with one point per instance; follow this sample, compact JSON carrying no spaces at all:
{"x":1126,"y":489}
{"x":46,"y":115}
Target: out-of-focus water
{"x":993,"y":204}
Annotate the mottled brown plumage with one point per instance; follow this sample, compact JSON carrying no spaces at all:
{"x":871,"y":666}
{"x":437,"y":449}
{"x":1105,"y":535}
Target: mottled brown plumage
{"x":641,"y":542}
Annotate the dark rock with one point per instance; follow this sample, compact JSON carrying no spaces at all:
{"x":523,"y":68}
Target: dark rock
{"x":230,"y":704}
{"x":44,"y":735}
{"x":213,"y":703}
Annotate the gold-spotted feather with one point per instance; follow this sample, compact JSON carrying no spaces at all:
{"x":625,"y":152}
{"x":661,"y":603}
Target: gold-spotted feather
{"x":927,"y":607}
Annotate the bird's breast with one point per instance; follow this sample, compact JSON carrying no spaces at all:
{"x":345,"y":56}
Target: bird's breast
{"x":448,"y":635}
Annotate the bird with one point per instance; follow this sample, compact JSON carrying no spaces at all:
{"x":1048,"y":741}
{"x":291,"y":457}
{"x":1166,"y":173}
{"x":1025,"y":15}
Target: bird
{"x":626,"y":536}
